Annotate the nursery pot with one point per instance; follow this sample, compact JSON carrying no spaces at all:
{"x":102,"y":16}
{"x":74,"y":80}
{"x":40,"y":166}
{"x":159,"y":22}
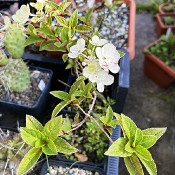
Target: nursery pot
{"x":163,"y":12}
{"x":12,"y":112}
{"x":161,"y":28}
{"x":69,"y":165}
{"x":157,"y":70}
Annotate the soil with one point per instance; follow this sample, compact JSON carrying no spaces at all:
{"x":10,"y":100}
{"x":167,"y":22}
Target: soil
{"x":30,"y":96}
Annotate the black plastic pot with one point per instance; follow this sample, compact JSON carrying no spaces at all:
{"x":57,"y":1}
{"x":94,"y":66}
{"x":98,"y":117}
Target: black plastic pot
{"x":118,"y":91}
{"x":55,"y":64}
{"x":12,"y":112}
{"x":68,"y":164}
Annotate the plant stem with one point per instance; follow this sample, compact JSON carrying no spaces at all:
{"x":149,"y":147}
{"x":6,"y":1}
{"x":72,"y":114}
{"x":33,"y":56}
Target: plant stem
{"x":48,"y":167}
{"x":96,"y":123}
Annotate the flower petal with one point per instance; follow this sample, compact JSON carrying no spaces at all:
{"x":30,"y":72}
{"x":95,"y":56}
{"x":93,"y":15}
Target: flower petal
{"x":109,"y":51}
{"x":114,"y":69}
{"x":109,"y":80}
{"x":100,"y":87}
{"x":86,"y":72}
{"x":73,"y":54}
{"x":102,"y":42}
{"x":98,"y":52}
{"x":74,"y":48}
{"x":81,"y":44}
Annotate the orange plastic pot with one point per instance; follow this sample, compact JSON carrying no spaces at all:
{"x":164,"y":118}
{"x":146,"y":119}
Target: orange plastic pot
{"x":157,"y":70}
{"x":161,"y":28}
{"x":163,"y":12}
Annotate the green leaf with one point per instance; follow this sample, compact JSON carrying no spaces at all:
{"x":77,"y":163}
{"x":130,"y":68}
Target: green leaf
{"x":64,"y":147}
{"x":133,"y":165}
{"x":30,"y":136}
{"x":129,"y":148}
{"x":59,"y":107}
{"x":129,"y":127}
{"x":88,"y":87}
{"x":118,"y":148}
{"x":44,"y":44}
{"x":47,"y":31}
{"x":53,"y":5}
{"x":83,"y":28}
{"x":53,"y":127}
{"x":88,"y":14}
{"x":66,"y":127}
{"x":49,"y":21}
{"x":30,"y":27}
{"x":39,"y":143}
{"x":119,"y":118}
{"x":150,"y":166}
{"x":63,"y":6}
{"x":61,"y":95}
{"x":148,"y":141}
{"x":64,"y":35}
{"x":73,"y":21}
{"x":138,"y":137}
{"x":57,"y":31}
{"x":32,"y":123}
{"x":32,"y":39}
{"x":157,"y":132}
{"x":113,"y":123}
{"x":121,"y":54}
{"x":143,"y":153}
{"x":65,"y":57}
{"x":53,"y":47}
{"x":109,"y":114}
{"x":76,"y":85}
{"x":62,"y":21}
{"x":29,"y":160}
{"x":49,"y":148}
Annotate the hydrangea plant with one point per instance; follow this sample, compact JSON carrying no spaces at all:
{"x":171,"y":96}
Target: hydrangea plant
{"x":93,"y":60}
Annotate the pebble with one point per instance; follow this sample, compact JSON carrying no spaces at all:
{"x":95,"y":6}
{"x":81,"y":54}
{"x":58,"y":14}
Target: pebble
{"x":54,"y":170}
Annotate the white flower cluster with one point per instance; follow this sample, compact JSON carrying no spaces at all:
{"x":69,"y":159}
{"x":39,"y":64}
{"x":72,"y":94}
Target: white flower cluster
{"x":97,"y":67}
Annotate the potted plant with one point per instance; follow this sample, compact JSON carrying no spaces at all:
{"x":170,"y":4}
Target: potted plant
{"x":167,"y":8}
{"x":94,"y":61}
{"x":23,"y":88}
{"x":160,"y":61}
{"x":163,"y":22}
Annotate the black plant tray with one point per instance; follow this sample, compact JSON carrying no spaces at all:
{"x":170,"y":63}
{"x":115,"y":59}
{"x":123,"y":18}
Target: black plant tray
{"x":55,"y":64}
{"x":68,"y":164}
{"x":12,"y":112}
{"x":118,"y":92}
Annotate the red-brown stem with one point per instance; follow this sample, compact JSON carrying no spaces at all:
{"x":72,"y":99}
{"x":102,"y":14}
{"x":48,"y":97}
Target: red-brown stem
{"x":86,"y":35}
{"x":79,"y":63}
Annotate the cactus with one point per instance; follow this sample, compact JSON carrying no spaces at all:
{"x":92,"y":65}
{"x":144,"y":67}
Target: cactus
{"x":13,"y":149}
{"x":14,"y":42}
{"x":15,"y":75}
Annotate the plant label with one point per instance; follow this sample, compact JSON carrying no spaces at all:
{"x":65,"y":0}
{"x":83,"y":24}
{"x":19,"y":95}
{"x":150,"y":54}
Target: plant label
{"x":41,"y":85}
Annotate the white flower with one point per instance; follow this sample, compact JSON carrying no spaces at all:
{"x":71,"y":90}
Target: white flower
{"x":22,"y":15}
{"x":110,"y":2}
{"x":90,"y":3}
{"x":99,"y":76}
{"x":77,"y":49}
{"x":41,"y":1}
{"x":108,"y":57}
{"x":96,"y":41}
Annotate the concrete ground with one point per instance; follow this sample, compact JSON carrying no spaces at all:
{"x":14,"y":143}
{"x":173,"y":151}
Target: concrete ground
{"x":145,"y":107}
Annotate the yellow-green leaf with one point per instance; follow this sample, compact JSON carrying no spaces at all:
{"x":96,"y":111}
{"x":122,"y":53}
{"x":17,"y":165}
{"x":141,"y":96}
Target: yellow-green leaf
{"x":49,"y":148}
{"x":148,"y":141}
{"x":83,"y":28}
{"x":73,"y":21}
{"x":143,"y":153}
{"x":138,"y":137}
{"x":29,"y":160}
{"x":53,"y":127}
{"x":62,"y":21}
{"x":129,"y":127}
{"x":133,"y":165}
{"x":61,"y":95}
{"x":64,"y":147}
{"x":33,"y":123}
{"x":150,"y":166}
{"x":118,"y":148}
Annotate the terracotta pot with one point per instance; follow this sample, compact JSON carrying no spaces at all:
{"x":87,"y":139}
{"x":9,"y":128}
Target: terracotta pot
{"x":157,"y":70}
{"x":161,"y":28}
{"x":163,"y":12}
